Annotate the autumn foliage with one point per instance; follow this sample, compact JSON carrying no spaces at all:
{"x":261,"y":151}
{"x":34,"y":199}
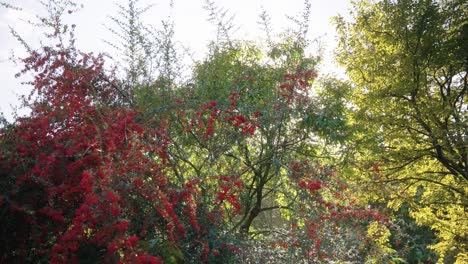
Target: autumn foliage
{"x":87,"y":176}
{"x":82,"y":178}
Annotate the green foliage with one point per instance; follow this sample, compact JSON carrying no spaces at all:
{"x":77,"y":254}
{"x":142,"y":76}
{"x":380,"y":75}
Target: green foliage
{"x":149,"y":54}
{"x":249,"y":159}
{"x":408,"y":63}
{"x":411,"y":240}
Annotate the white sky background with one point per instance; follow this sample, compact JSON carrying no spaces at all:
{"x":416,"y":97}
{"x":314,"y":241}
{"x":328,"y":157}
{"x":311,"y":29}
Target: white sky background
{"x":191,"y":28}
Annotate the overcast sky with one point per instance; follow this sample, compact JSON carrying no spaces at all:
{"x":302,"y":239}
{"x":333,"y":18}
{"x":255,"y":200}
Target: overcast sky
{"x":192,"y":28}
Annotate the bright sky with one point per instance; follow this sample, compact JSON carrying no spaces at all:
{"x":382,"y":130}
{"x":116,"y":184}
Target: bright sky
{"x":192,"y":29}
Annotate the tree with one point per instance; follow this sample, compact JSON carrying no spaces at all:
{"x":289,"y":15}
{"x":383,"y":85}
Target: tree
{"x":102,"y":172}
{"x":82,"y":180}
{"x":408,"y":63}
{"x":258,"y":118}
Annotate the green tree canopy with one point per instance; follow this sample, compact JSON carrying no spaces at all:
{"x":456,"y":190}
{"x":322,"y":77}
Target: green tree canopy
{"x":408,"y":63}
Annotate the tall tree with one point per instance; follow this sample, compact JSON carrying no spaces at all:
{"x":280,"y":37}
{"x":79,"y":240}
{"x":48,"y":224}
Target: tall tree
{"x":96,"y":174}
{"x":408,"y":61}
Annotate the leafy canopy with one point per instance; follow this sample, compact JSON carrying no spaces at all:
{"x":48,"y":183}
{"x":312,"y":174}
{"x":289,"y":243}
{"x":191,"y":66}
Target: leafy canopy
{"x":408,"y":63}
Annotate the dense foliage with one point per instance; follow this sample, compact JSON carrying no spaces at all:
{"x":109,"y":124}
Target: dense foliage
{"x":249,"y":159}
{"x":408,"y":62}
